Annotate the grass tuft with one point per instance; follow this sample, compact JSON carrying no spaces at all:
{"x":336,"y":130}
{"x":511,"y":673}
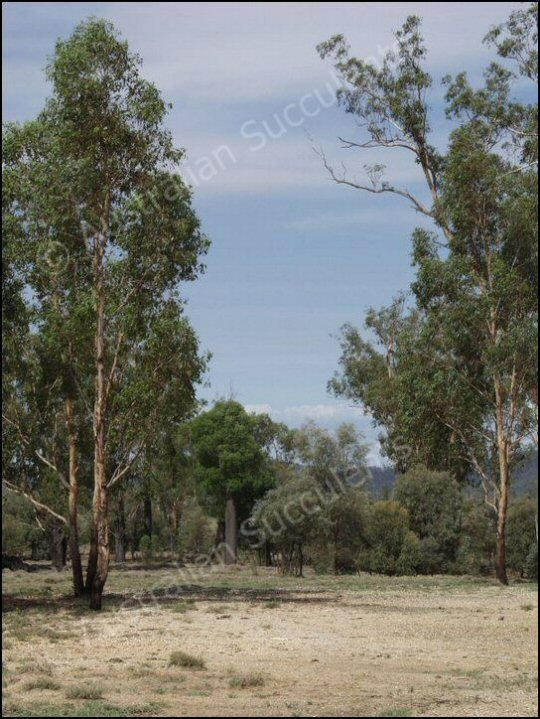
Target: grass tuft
{"x":188,"y":661}
{"x":88,"y":692}
{"x":247,"y":681}
{"x":183,"y":607}
{"x":272,"y":604}
{"x":41,"y":683}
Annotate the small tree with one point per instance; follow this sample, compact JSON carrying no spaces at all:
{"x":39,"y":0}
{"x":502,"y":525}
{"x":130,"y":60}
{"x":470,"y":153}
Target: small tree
{"x":434,"y":503}
{"x":289,"y":517}
{"x":233,"y":469}
{"x":388,"y":532}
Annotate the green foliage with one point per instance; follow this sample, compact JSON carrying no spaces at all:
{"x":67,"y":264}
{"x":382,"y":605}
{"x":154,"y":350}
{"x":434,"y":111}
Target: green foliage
{"x":348,"y":517}
{"x":146,"y":547}
{"x":188,"y":661}
{"x":388,"y":531}
{"x":453,"y":379}
{"x":289,"y":517}
{"x":522,"y":543}
{"x":434,"y":503}
{"x":231,"y":460}
{"x":197,"y":531}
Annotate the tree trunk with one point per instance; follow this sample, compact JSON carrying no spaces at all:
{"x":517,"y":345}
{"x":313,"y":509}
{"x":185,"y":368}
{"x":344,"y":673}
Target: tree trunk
{"x":148,"y":520}
{"x":219,"y":551}
{"x":92,"y":561}
{"x":267,"y":554}
{"x":231,"y":532}
{"x":101,"y":523}
{"x":120,"y":530}
{"x":174,"y":527}
{"x":100,"y":501}
{"x":502,"y":508}
{"x":504,"y":480}
{"x":335,"y":532}
{"x":74,"y":549}
{"x":56,"y":547}
{"x":300,"y":561}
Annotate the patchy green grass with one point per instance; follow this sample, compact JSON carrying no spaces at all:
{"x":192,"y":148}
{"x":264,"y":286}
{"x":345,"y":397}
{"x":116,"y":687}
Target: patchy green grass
{"x":86,"y":709}
{"x":185,"y":660}
{"x":46,"y":584}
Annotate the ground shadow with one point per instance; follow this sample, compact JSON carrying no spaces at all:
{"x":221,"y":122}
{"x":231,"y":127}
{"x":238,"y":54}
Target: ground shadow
{"x":175,"y":593}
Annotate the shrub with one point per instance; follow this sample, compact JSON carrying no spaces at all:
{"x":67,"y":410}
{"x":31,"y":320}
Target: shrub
{"x":188,"y":661}
{"x":521,"y":545}
{"x":146,"y":548}
{"x":197,"y":531}
{"x":411,"y":557}
{"x":388,"y":527}
{"x":88,"y":691}
{"x":434,"y":503}
{"x":41,"y":683}
{"x":246,"y":681}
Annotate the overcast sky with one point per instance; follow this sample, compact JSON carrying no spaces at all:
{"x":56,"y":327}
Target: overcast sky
{"x":293,"y":256}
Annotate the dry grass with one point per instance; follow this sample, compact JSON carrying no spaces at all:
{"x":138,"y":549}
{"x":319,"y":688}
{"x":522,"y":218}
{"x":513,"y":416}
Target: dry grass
{"x":41,"y":684}
{"x":345,"y":646}
{"x":247,"y":681}
{"x":85,"y":691}
{"x":185,"y":660}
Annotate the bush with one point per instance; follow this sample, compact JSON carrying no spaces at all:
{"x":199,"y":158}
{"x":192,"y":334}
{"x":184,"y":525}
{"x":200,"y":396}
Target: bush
{"x":247,"y":681}
{"x":521,"y":542}
{"x":411,"y":556}
{"x":188,"y":661}
{"x":291,"y":517}
{"x":197,"y":531}
{"x":388,"y":527}
{"x":146,"y":548}
{"x":434,"y":503}
{"x":476,"y":551}
{"x":531,"y":565}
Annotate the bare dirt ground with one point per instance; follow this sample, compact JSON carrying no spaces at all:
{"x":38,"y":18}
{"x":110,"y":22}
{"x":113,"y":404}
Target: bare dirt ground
{"x":322,"y":646}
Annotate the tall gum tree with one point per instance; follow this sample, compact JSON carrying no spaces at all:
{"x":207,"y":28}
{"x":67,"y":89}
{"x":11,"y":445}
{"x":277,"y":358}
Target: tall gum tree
{"x":477,"y":300}
{"x":133,"y":237}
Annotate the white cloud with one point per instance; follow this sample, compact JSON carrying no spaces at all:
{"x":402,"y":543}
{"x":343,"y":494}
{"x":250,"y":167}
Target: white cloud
{"x":258,"y":408}
{"x":357,"y":218}
{"x":224,"y":64}
{"x":234,"y":51}
{"x":318,"y":412}
{"x":327,"y":415}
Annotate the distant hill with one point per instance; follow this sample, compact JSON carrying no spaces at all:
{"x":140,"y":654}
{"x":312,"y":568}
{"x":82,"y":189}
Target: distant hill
{"x":382,"y":481}
{"x":525,"y":480}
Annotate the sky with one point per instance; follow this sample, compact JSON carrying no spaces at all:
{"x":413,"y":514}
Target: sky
{"x":293,"y":255}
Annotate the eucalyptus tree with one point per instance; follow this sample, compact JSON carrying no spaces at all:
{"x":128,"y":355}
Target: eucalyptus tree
{"x":473,"y":364}
{"x":233,"y":467}
{"x":337,"y":463}
{"x":96,"y":186}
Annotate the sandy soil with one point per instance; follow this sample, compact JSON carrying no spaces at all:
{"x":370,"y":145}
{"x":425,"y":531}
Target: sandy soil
{"x":466,"y":651}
